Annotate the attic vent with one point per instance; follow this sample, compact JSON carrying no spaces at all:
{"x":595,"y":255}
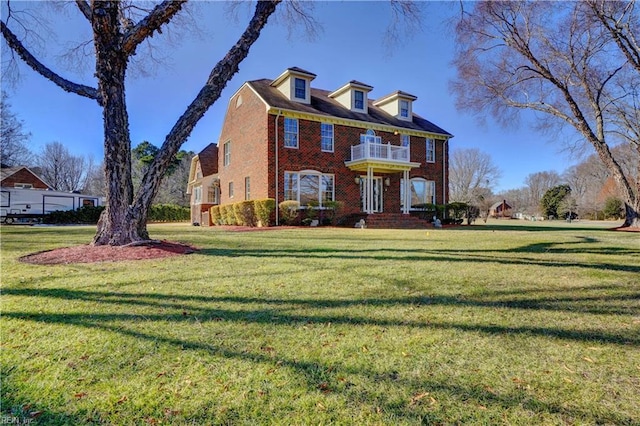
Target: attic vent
{"x":239,"y":101}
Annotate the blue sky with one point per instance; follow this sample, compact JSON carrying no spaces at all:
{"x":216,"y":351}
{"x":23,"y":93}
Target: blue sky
{"x":349,"y":47}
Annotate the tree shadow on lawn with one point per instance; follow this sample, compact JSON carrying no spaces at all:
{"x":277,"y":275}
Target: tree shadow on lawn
{"x":320,"y":376}
{"x":445,"y":255}
{"x":277,"y":311}
{"x":541,"y":227}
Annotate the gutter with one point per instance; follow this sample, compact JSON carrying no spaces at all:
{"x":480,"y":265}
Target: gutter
{"x":277,"y":177}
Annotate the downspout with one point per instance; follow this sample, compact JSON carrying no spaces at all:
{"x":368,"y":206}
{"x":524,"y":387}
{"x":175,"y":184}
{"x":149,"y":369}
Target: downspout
{"x":444,"y":171}
{"x":277,"y":170}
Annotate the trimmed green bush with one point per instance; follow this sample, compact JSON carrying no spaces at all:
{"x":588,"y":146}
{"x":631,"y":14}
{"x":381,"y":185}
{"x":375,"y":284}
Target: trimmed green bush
{"x":84,"y":215}
{"x":214,"y":214}
{"x":168,"y":213}
{"x":264,"y":209}
{"x":226,"y":212}
{"x":289,"y":211}
{"x":245,"y":213}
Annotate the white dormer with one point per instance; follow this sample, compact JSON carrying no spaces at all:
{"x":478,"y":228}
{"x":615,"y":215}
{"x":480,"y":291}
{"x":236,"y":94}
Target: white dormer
{"x":398,"y":104}
{"x":295,"y":84}
{"x":353,"y":96}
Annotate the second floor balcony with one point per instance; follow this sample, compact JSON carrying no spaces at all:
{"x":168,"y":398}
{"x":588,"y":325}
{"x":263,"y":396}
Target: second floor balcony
{"x":372,"y":148}
{"x":372,"y":154}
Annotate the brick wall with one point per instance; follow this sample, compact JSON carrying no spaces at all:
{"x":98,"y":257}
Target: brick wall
{"x":251,"y":132}
{"x":245,"y":126}
{"x":309,"y":156}
{"x":24,"y":176}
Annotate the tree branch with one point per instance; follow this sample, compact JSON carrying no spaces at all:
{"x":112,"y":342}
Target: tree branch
{"x":85,"y":9}
{"x":218,"y":79}
{"x":40,"y":68}
{"x":160,"y":15}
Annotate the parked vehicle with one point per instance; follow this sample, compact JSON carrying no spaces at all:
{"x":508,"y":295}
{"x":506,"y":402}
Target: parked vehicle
{"x":32,"y":205}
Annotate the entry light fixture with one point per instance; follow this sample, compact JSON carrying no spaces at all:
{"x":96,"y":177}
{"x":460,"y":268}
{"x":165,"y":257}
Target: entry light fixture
{"x":387,"y":182}
{"x":357,"y":180}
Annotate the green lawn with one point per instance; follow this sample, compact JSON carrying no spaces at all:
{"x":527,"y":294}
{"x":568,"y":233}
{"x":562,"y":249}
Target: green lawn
{"x":506,"y":323}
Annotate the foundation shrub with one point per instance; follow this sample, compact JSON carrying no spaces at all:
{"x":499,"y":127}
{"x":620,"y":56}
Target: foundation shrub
{"x":245,"y":213}
{"x":263,"y":210}
{"x":289,"y":211}
{"x":215,"y":215}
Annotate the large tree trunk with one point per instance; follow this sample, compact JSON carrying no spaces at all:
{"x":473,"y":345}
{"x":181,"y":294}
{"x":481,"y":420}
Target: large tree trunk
{"x":119,"y":224}
{"x":124,"y":219}
{"x":631,"y":216}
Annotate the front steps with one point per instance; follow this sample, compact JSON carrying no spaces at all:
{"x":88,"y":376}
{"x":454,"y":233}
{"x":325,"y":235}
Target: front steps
{"x":395,"y":221}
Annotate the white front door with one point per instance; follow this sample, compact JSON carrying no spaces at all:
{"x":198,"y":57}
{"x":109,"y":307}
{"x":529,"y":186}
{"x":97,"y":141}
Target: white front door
{"x":376,"y":190}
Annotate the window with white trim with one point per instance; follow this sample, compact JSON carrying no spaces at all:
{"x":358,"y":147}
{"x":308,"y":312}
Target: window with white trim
{"x":309,"y":186}
{"x":431,"y":150}
{"x":290,"y":132}
{"x":404,"y":108}
{"x":23,"y":185}
{"x":300,"y":89}
{"x":213,"y":195}
{"x":227,"y":153}
{"x":358,"y":99}
{"x":326,"y":137}
{"x":197,"y":194}
{"x":422,"y":192}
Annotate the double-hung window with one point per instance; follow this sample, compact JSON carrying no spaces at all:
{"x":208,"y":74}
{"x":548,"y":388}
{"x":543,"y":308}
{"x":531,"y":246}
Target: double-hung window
{"x":404,"y":108}
{"x":326,"y":136}
{"x":290,"y":132}
{"x":358,"y":99}
{"x":300,"y":89}
{"x":227,"y":153}
{"x":431,"y":151}
{"x":309,"y":187}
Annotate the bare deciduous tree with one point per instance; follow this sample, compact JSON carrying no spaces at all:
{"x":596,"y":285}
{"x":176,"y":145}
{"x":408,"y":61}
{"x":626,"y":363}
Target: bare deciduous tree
{"x":13,"y":137}
{"x":471,"y":173}
{"x":63,"y":170}
{"x":537,"y":184}
{"x":562,"y":61}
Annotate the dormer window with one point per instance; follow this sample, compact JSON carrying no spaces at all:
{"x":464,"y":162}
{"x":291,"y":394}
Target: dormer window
{"x":294,"y":84}
{"x":300,"y":89}
{"x":353,"y":96}
{"x":397,"y":104}
{"x":358,"y":99}
{"x":404,"y":108}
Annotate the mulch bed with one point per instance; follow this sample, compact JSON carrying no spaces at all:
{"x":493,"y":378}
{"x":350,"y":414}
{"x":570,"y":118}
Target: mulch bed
{"x":92,"y":254}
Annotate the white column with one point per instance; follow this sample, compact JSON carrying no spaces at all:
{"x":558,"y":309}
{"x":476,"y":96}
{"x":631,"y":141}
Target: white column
{"x":407,"y":194}
{"x":369,"y":190}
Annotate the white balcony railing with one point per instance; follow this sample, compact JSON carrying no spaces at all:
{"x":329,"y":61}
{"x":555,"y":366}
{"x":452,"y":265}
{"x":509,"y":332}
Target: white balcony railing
{"x":373,"y":149}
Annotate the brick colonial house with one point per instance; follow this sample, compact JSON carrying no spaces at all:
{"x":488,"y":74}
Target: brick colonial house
{"x":287,"y":140}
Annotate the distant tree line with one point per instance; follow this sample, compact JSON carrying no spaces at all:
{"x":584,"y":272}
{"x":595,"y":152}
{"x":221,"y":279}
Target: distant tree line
{"x":587,"y":189}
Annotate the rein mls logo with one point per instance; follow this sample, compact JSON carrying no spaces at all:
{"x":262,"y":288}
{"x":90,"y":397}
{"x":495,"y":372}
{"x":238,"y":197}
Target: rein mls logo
{"x":14,"y":420}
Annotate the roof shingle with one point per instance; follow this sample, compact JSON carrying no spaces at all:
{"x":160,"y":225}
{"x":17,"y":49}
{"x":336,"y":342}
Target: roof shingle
{"x":322,"y":104}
